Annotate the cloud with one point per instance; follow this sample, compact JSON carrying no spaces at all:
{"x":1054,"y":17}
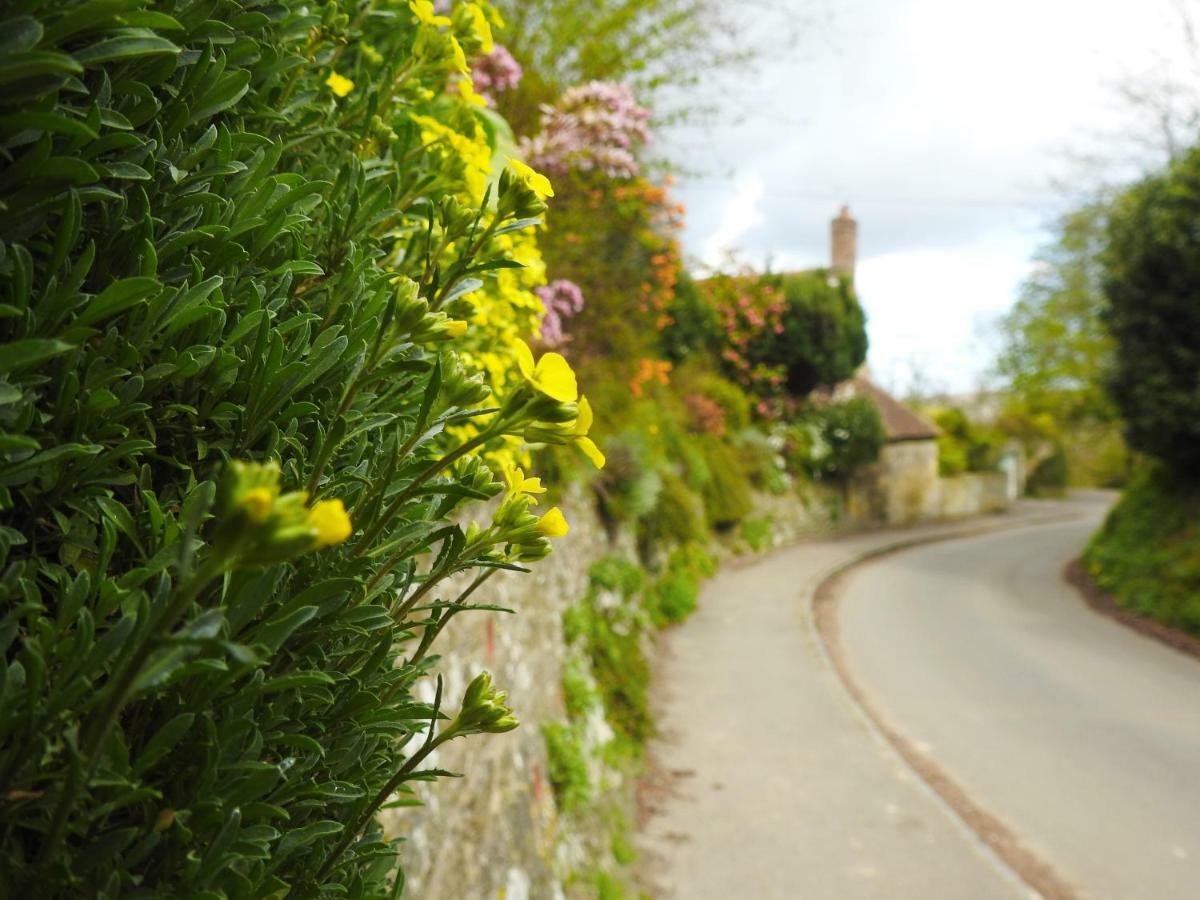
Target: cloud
{"x":942,"y":124}
{"x":739,"y":214}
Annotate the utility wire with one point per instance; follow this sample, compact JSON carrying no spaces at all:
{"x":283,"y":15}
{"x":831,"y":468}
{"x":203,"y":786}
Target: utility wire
{"x":854,"y":197}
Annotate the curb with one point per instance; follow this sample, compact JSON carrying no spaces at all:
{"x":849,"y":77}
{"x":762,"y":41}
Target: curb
{"x":992,"y":837}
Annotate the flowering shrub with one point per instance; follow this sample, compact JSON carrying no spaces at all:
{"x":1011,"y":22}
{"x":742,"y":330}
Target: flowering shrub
{"x":593,"y":126}
{"x":649,"y":371}
{"x":618,"y":243}
{"x":782,"y":336}
{"x":562,"y":299}
{"x":495,"y":73}
{"x":241,"y":253}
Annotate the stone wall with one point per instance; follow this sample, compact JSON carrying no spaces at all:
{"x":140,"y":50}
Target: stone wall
{"x":495,"y":833}
{"x":973,"y":493}
{"x":904,"y":488}
{"x":901,"y":488}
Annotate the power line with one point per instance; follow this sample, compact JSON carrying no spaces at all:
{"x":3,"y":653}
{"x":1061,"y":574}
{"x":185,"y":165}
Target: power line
{"x":856,"y":198}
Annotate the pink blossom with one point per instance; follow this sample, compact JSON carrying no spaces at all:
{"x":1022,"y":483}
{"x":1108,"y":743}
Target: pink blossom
{"x":495,"y":73}
{"x":594,"y":126}
{"x":562,"y":299}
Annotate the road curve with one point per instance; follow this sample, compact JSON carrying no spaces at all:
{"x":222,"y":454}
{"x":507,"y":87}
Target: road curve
{"x":1079,"y":734}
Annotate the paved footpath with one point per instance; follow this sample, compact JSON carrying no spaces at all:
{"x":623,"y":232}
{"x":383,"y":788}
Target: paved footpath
{"x":779,"y":786}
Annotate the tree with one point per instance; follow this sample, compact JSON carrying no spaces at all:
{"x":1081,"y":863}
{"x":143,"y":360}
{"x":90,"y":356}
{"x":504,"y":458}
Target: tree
{"x":1057,"y":351}
{"x":1152,"y":283}
{"x":823,"y":335}
{"x":652,"y":44}
{"x":1057,"y":355}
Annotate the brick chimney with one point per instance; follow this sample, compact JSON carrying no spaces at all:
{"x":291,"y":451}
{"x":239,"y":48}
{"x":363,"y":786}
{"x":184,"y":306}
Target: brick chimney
{"x":843,"y":233}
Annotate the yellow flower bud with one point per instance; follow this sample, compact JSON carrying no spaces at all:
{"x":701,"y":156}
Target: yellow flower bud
{"x":553,"y":524}
{"x":257,"y":503}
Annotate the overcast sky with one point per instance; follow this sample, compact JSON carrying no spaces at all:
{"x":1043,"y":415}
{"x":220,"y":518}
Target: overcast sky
{"x":943,"y":124}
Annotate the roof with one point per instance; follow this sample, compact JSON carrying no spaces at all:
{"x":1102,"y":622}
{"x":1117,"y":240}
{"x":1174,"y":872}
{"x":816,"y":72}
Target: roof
{"x":899,"y":422}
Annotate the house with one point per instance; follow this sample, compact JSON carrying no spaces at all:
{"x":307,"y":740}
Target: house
{"x":904,"y":486}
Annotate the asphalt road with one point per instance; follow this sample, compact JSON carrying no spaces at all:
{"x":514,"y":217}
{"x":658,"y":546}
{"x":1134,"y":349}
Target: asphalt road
{"x":770,"y":782}
{"x":1080,"y":735}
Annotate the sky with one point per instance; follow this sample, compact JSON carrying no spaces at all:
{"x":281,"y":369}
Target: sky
{"x":948,"y":127}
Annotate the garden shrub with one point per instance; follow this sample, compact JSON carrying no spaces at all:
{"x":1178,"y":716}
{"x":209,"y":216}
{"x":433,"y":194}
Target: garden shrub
{"x":1050,"y":476}
{"x":964,"y":446}
{"x":629,"y":486}
{"x":610,"y":638}
{"x":617,"y":574}
{"x":788,"y":334}
{"x":761,"y":461}
{"x":757,"y":533}
{"x":233,"y":275}
{"x":1148,"y":551}
{"x":566,"y":765}
{"x":727,"y":490}
{"x":672,"y":598}
{"x":693,"y":330}
{"x":675,"y":519}
{"x":843,"y":437}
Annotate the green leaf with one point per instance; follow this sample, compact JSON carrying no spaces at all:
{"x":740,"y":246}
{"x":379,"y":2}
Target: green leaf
{"x":163,"y":741}
{"x":19,"y":34}
{"x":23,"y":354}
{"x":125,"y":47}
{"x":36,"y":62}
{"x":118,"y":297}
{"x":299,"y":838}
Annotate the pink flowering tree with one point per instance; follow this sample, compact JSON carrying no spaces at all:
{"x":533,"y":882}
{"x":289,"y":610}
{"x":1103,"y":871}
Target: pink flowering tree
{"x":597,"y":126}
{"x":562,"y":299}
{"x":495,"y":73}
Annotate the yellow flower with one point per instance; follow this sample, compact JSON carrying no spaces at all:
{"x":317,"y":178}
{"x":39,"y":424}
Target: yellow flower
{"x":481,"y":27}
{"x":460,"y":58}
{"x":552,"y":375}
{"x":423,"y":10}
{"x":518,"y":484}
{"x":535,"y":181}
{"x":456,"y":328}
{"x":466,"y":90}
{"x":553,"y":524}
{"x":339,"y":84}
{"x":583,"y":424}
{"x":330,"y":521}
{"x":257,"y":503}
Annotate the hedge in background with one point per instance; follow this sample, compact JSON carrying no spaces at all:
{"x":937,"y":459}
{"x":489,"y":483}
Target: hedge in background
{"x":1152,"y":275}
{"x":233,"y":271}
{"x":1148,"y":552}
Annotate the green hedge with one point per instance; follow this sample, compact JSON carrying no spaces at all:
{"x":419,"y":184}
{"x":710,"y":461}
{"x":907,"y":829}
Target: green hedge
{"x":1148,"y":552}
{"x":208,"y":256}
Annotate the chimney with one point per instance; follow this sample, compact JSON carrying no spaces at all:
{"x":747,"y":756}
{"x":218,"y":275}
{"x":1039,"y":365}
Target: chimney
{"x":843,"y":232}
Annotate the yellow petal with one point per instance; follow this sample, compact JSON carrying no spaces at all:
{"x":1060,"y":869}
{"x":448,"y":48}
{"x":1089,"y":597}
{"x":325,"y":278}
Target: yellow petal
{"x":460,"y":58}
{"x":330,"y":521}
{"x":583,"y":422}
{"x":532,"y":486}
{"x":482,"y":28}
{"x":591,"y":451}
{"x":524,"y":358}
{"x":555,"y":378}
{"x":534,"y":180}
{"x":553,"y":524}
{"x":456,"y":328}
